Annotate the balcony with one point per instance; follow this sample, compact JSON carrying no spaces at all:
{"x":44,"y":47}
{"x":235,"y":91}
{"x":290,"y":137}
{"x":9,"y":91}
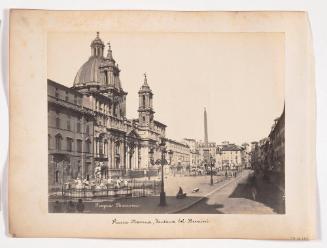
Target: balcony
{"x":59,"y":152}
{"x":101,"y":157}
{"x":115,"y":123}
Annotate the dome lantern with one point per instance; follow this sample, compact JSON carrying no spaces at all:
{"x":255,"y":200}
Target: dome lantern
{"x":109,"y":54}
{"x":97,"y":47}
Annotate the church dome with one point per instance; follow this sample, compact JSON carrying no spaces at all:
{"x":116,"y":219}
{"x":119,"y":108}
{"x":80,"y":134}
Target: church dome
{"x":90,"y":73}
{"x":99,"y":70}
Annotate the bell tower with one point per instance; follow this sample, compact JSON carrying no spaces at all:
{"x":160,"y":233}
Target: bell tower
{"x":145,"y":110}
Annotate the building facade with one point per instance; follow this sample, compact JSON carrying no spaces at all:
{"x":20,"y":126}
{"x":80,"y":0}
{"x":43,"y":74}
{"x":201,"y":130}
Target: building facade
{"x":268,"y":155}
{"x":229,"y":156}
{"x":88,"y":131}
{"x":178,"y":156}
{"x":70,"y":134}
{"x":277,"y":149}
{"x":195,"y":158}
{"x":246,"y":155}
{"x":211,"y":147}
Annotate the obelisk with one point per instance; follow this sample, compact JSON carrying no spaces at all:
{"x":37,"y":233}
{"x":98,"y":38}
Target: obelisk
{"x":206,"y":156}
{"x":206,"y":143}
{"x":205,"y":129}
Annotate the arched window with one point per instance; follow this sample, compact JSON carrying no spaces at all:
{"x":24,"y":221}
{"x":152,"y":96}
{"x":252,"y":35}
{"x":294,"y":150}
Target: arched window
{"x":143,"y":100}
{"x":79,"y":145}
{"x":57,"y":176}
{"x":115,"y":109}
{"x":69,"y":144}
{"x":57,"y":122}
{"x":88,"y":146}
{"x":117,"y":147}
{"x":100,"y":146}
{"x":105,"y":147}
{"x":106,"y":76}
{"x":68,"y":122}
{"x":58,"y":142}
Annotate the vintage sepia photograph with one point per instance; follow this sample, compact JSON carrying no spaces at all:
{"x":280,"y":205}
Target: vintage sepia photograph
{"x":162,"y":124}
{"x":156,"y":123}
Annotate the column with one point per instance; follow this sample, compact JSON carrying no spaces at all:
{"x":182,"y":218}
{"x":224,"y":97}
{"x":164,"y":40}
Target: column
{"x":125,"y":154}
{"x":147,"y":103}
{"x":109,"y":153}
{"x":134,"y":158}
{"x":127,"y":157}
{"x":137,"y":157}
{"x":113,"y":153}
{"x":121,"y":155}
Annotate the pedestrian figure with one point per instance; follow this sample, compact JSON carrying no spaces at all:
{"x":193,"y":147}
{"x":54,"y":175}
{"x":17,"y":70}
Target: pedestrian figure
{"x":180,"y":194}
{"x":57,"y":207}
{"x":254,"y":191}
{"x":80,"y":206}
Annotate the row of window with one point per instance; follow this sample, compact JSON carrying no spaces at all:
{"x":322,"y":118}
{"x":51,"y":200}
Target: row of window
{"x":109,"y":109}
{"x":69,"y":144}
{"x":76,"y":99}
{"x":59,"y":125}
{"x":231,"y":152}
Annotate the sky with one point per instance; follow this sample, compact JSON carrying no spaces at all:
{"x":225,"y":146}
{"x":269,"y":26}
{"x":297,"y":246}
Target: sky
{"x":237,"y":77}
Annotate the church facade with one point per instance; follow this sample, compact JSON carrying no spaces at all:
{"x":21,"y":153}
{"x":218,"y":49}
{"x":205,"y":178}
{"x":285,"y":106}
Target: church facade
{"x":88,"y":127}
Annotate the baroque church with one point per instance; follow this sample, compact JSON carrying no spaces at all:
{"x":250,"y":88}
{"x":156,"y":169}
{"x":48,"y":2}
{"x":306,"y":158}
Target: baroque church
{"x":88,"y":127}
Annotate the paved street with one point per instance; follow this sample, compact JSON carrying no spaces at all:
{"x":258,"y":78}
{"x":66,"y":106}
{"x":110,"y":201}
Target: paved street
{"x":235,"y":198}
{"x":226,"y":196}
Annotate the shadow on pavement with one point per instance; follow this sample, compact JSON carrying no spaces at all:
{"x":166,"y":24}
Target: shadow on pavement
{"x":266,"y":193}
{"x":202,"y":207}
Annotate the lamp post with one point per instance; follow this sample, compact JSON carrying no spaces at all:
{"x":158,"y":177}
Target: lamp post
{"x":162,"y":145}
{"x":151,"y":152}
{"x":212,"y":163}
{"x":170,"y":154}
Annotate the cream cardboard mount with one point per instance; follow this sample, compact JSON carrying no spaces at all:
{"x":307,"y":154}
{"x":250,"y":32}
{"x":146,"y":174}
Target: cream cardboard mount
{"x":107,"y":182}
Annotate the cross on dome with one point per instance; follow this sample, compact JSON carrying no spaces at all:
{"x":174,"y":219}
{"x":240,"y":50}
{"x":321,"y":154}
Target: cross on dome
{"x":145,"y":79}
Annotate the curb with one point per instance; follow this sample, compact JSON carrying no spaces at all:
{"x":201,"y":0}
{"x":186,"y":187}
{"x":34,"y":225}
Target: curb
{"x":209,"y":193}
